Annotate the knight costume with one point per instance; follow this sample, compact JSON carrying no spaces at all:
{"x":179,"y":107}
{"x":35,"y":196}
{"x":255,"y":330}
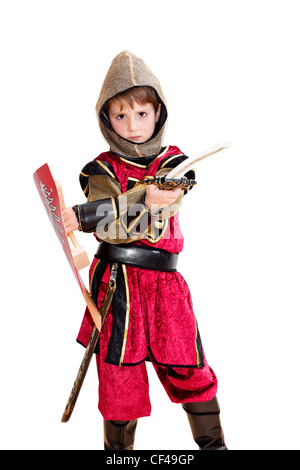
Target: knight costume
{"x":151,"y":317}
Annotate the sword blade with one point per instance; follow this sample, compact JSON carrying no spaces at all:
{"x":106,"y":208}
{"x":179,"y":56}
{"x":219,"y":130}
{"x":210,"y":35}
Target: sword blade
{"x":81,"y":375}
{"x":90,"y":347}
{"x":189,"y":164}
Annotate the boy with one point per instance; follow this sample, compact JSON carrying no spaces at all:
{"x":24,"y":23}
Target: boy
{"x":151,"y":317}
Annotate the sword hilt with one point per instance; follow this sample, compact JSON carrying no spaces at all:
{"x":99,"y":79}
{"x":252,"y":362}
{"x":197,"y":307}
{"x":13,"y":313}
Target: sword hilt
{"x":162,"y":182}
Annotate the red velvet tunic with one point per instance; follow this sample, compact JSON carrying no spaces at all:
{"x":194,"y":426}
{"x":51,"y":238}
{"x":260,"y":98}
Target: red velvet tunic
{"x":160,"y":323}
{"x":172,"y":239}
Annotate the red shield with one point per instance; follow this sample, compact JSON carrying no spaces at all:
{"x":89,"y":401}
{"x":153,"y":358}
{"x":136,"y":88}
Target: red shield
{"x":49,"y":195}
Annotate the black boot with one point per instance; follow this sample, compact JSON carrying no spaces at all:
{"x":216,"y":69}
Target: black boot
{"x":119,"y":435}
{"x":204,"y":419}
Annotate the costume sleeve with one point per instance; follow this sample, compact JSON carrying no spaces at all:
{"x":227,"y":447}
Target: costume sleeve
{"x":114,"y":216}
{"x":118,"y":217}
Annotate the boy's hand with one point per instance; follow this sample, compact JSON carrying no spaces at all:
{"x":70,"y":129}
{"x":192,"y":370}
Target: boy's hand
{"x":70,"y":219}
{"x":160,"y":198}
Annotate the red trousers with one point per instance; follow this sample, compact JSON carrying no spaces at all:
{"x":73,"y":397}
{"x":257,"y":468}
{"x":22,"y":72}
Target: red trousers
{"x":160,"y":326}
{"x":124,"y":391}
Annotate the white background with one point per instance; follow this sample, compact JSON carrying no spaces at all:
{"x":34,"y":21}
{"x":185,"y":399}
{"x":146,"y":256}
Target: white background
{"x":230,"y":72}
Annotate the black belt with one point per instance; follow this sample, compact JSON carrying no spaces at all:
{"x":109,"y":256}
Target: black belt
{"x":138,"y":256}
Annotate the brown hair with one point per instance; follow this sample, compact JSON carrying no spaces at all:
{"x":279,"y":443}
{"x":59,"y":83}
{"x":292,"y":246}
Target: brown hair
{"x":140,"y":94}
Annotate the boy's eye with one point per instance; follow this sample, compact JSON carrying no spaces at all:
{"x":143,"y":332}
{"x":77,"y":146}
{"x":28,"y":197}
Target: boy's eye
{"x":121,"y":116}
{"x":142,"y":114}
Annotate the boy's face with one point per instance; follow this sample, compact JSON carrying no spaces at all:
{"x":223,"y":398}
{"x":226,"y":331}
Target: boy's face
{"x":136,"y":124}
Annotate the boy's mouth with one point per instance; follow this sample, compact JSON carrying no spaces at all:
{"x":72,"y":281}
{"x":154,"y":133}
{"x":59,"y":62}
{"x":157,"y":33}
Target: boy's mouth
{"x":135,"y":138}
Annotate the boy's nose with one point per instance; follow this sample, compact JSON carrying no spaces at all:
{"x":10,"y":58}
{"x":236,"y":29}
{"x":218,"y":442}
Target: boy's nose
{"x":132,"y":126}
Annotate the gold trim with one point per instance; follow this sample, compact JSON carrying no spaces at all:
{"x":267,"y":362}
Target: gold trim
{"x":150,"y":177}
{"x":114,"y":206}
{"x":160,"y":155}
{"x":92,"y":276}
{"x":136,"y":220}
{"x":171,"y":158}
{"x":155,"y":240}
{"x":127,"y":314}
{"x":106,"y":169}
{"x":139,"y":165}
{"x":79,"y":221}
{"x":123,"y":223}
{"x":197,"y":352}
{"x":83,"y":174}
{"x":133,"y":179}
{"x":159,"y":224}
{"x":133,"y":163}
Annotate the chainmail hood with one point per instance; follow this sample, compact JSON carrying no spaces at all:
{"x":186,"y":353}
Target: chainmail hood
{"x":128,"y":71}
